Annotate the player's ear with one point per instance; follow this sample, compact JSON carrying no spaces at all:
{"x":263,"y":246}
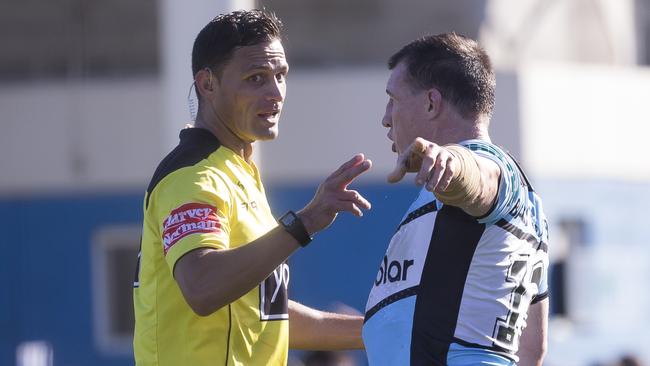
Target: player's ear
{"x":205,"y":81}
{"x":433,"y":101}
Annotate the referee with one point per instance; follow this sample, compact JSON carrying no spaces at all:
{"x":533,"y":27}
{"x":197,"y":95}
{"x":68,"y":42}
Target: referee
{"x":211,"y":287}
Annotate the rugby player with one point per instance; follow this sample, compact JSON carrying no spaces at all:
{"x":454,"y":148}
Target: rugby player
{"x":463,"y":281}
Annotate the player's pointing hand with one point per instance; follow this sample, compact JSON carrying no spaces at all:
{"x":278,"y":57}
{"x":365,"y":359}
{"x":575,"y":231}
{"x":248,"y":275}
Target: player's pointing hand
{"x":435,"y":165}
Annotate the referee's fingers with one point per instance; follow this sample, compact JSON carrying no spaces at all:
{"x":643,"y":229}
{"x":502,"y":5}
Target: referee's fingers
{"x":352,"y":162}
{"x":357,"y":199}
{"x":351,"y":172}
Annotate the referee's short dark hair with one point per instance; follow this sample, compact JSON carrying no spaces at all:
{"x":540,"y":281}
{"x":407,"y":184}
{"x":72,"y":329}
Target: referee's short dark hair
{"x":455,"y":65}
{"x":216,"y":42}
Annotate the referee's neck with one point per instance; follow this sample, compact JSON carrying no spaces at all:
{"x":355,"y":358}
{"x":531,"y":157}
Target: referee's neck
{"x":227,"y":137}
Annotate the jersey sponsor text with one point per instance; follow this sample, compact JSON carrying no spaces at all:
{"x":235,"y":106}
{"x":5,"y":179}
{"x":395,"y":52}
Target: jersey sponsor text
{"x":188,"y":219}
{"x":393,"y":271}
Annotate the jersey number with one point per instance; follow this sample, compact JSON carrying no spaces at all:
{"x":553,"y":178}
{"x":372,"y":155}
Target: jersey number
{"x":509,"y":329}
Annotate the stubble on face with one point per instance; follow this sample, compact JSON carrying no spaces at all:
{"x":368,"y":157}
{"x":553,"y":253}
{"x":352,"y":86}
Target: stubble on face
{"x":405,"y":112}
{"x":253,"y":88}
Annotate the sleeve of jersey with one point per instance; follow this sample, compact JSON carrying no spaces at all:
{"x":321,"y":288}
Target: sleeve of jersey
{"x":542,"y":251}
{"x":542,"y":295}
{"x":196,"y":217}
{"x":543,"y":284}
{"x":509,"y":184}
{"x":542,"y":290}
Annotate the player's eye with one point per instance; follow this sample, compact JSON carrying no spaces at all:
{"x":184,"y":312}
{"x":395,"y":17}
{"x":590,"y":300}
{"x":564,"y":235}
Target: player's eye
{"x":280,"y":76}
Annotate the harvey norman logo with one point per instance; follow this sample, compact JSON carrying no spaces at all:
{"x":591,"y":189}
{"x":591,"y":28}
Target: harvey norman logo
{"x":187,"y":219}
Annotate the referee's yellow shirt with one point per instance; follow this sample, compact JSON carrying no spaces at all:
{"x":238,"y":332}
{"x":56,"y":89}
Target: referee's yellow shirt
{"x":203,"y":195}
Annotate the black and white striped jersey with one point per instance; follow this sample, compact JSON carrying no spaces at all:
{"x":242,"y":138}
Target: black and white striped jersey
{"x":448,"y":277}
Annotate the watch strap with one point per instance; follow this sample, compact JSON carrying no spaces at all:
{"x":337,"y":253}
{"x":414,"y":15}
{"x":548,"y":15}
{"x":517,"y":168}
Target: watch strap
{"x":294,"y":226}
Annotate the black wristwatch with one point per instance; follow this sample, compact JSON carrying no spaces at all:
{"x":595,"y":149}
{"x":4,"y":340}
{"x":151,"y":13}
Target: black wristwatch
{"x":294,"y":226}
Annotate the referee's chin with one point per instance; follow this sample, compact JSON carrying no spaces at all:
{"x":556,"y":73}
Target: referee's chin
{"x":270,"y":134}
{"x":267,"y":137}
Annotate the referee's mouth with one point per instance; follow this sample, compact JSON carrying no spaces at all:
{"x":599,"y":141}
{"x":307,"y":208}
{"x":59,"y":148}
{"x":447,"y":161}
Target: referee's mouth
{"x":269,"y":115}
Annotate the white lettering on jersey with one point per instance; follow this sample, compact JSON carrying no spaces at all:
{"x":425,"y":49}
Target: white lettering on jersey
{"x":188,"y":219}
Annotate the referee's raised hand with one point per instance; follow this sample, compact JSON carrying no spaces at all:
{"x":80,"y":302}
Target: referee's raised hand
{"x":333,"y":196}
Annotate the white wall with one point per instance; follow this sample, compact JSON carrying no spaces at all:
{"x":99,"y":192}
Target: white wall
{"x":585,"y":121}
{"x":61,"y":135}
{"x":609,"y":304}
{"x":562,"y":121}
{"x":329,"y":116}
{"x":600,"y":31}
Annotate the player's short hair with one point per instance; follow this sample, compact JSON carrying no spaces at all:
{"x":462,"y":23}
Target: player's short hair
{"x":455,"y":65}
{"x":216,"y":42}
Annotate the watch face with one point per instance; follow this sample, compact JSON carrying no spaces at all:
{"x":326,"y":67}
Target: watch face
{"x":287,"y":219}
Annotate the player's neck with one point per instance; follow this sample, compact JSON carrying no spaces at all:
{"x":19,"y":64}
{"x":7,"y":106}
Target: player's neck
{"x":475,"y":132}
{"x":457,"y":129}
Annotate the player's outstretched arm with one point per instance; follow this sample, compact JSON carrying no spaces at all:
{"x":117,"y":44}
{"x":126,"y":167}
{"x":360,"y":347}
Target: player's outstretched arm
{"x":210,"y":279}
{"x":533,"y":342}
{"x":453,"y":173}
{"x":311,"y":329}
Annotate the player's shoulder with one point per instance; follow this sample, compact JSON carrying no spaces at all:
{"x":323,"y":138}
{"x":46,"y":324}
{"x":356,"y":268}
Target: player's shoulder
{"x":492,"y":152}
{"x":482,"y":146}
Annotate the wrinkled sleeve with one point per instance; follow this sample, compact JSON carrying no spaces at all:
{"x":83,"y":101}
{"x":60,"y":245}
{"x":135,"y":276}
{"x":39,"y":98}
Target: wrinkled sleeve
{"x":195,"y":214}
{"x":509,"y":183}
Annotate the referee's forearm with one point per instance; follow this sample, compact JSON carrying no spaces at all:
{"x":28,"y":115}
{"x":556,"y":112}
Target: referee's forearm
{"x":211,"y":279}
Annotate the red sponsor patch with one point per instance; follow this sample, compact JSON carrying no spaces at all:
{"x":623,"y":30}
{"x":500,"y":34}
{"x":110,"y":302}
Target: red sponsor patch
{"x":190,"y":218}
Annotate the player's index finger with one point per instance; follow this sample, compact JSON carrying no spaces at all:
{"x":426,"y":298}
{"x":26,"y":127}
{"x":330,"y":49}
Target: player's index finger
{"x":400,"y":168}
{"x":418,"y":146}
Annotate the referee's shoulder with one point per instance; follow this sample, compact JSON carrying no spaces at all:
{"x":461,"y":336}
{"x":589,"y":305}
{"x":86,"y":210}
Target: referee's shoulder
{"x":182,"y":156}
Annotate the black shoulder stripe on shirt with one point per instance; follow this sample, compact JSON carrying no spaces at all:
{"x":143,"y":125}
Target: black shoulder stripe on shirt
{"x":399,"y":295}
{"x":521,"y":172}
{"x":520,"y":234}
{"x":195,"y":145}
{"x":423,"y":210}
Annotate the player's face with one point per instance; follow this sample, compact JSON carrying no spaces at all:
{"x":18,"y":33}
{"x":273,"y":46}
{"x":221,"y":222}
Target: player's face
{"x":405,"y":111}
{"x":251,"y":91}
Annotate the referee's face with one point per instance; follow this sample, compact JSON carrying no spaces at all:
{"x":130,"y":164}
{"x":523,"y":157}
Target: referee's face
{"x":251,"y":91}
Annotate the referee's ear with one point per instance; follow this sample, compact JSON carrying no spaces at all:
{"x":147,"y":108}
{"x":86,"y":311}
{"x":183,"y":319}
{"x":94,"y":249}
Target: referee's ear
{"x":204,"y":81}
